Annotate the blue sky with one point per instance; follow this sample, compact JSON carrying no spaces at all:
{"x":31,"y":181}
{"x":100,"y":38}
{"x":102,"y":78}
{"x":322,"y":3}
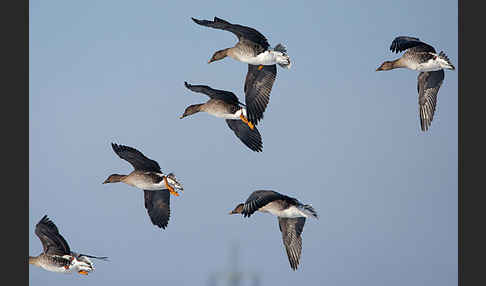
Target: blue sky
{"x":336,"y":134}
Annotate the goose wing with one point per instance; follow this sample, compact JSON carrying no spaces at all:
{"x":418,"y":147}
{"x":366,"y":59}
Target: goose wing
{"x":251,"y":138}
{"x":157,"y":204}
{"x":223,"y":95}
{"x":428,"y":84}
{"x":136,"y":158}
{"x":258,"y":85}
{"x":239,"y":30}
{"x":403,"y":42}
{"x":52,"y":241}
{"x":291,"y":229}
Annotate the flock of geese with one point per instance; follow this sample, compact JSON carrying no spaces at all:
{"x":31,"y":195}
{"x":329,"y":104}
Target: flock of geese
{"x":252,"y":48}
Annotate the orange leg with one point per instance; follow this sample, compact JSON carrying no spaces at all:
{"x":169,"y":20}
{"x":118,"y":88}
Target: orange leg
{"x":244,"y":119}
{"x":260,"y":67}
{"x":171,"y":189}
{"x":83,"y":272}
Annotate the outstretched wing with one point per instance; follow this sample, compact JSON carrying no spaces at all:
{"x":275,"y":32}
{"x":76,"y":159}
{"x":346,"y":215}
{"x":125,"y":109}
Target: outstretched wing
{"x":428,"y":84}
{"x":260,"y":198}
{"x":136,"y":158}
{"x":251,"y":138}
{"x":239,"y":30}
{"x":291,"y":229}
{"x":157,"y":204}
{"x":403,"y":42}
{"x":258,"y":85}
{"x":223,"y":95}
{"x":52,"y":241}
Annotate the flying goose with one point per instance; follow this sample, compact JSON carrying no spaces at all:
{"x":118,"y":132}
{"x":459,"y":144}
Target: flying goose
{"x":291,"y":216}
{"x":421,"y":57}
{"x":252,"y":48}
{"x":56,"y":255}
{"x":225,"y":104}
{"x":147,"y":176}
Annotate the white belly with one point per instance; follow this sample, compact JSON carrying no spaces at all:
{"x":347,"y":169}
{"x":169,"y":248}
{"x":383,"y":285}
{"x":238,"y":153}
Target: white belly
{"x":430,"y":65}
{"x":266,"y":58}
{"x":291,"y":212}
{"x":56,"y":268}
{"x":150,"y":187}
{"x":236,"y":115}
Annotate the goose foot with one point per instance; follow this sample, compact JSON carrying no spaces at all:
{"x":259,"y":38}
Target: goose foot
{"x":171,"y":189}
{"x":244,"y":119}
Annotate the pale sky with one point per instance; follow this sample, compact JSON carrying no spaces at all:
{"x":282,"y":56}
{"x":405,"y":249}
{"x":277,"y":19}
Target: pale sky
{"x":336,"y":134}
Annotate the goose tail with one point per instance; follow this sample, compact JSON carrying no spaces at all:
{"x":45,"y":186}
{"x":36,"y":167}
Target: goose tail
{"x":446,"y":63}
{"x":309,"y":210}
{"x":283,"y":59}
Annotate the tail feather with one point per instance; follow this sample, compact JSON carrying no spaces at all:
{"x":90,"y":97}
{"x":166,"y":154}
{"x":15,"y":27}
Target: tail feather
{"x":280,"y":48}
{"x":173,"y":182}
{"x":284,"y":60}
{"x":309,"y":209}
{"x":105,"y":258}
{"x":443,"y":56}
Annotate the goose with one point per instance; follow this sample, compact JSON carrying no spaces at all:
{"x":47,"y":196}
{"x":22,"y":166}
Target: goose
{"x":225,"y":104}
{"x":291,"y":216}
{"x":252,"y":48}
{"x":148,"y":177}
{"x":56,"y":255}
{"x":421,"y":57}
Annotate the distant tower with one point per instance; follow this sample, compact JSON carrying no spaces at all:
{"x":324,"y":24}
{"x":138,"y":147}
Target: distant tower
{"x":233,"y":276}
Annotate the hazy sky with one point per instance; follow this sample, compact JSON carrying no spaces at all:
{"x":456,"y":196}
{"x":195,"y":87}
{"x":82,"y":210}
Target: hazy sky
{"x":336,"y":134}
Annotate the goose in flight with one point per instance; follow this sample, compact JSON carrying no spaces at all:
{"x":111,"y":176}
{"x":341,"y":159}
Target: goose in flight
{"x":291,"y":216}
{"x":421,"y":57}
{"x":225,"y":104}
{"x":252,"y":48}
{"x":56,"y":255}
{"x":148,"y":177}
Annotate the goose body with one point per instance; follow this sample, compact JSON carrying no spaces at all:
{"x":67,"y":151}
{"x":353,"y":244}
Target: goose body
{"x":221,"y":109}
{"x":291,"y":215}
{"x":57,"y":255}
{"x":280,"y":209}
{"x":252,"y":47}
{"x":269,"y":57}
{"x":148,"y":177}
{"x":224,"y":104}
{"x":422,"y":57}
{"x":420,"y":60}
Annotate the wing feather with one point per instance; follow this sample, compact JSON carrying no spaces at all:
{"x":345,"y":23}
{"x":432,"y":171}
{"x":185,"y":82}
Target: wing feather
{"x":428,"y":84}
{"x":136,"y":158}
{"x":157,"y":204}
{"x":52,"y":241}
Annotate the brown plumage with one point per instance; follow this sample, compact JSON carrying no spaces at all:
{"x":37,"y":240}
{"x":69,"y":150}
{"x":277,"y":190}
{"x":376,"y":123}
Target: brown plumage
{"x":225,"y":104}
{"x":57,"y":255}
{"x":422,"y":57}
{"x":148,"y":177}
